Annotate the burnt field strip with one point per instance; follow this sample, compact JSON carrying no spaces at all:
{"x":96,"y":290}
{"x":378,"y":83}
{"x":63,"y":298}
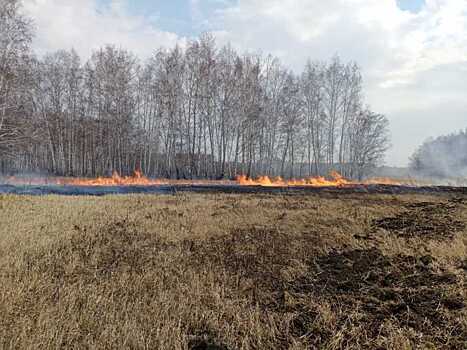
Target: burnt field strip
{"x":69,"y":190}
{"x":271,"y":270}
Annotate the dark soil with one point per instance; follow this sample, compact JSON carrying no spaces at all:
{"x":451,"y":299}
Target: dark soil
{"x":405,"y":290}
{"x":426,"y":219}
{"x":408,"y":291}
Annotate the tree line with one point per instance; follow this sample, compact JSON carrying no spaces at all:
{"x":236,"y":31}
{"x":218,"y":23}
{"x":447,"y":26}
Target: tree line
{"x":198,"y":111}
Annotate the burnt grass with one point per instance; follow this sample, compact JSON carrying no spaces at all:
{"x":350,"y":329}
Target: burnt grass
{"x":437,"y":220}
{"x":407,"y":291}
{"x":235,"y":272}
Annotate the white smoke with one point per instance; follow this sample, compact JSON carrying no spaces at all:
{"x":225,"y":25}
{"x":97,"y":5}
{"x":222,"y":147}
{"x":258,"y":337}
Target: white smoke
{"x":443,"y":158}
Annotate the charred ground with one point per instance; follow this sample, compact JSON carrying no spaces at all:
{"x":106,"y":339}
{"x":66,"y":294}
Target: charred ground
{"x":230,"y":271}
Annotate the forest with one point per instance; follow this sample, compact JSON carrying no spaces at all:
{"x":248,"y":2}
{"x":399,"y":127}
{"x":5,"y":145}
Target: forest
{"x":197,"y":110}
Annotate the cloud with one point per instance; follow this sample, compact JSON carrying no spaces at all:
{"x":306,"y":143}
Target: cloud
{"x":390,"y":43}
{"x":414,"y":64}
{"x":85,"y":26}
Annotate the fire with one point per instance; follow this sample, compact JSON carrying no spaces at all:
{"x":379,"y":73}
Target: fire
{"x":138,"y":179}
{"x":336,"y":180}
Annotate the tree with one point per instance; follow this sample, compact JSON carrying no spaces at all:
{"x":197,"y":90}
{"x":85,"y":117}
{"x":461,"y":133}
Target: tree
{"x":15,"y":38}
{"x":203,"y":111}
{"x":368,"y":142}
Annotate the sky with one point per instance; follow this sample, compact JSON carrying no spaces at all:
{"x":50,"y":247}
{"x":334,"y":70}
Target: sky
{"x":413,"y":53}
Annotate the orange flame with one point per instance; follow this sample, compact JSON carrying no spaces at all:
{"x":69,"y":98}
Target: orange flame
{"x":138,"y":179}
{"x":337,"y":180}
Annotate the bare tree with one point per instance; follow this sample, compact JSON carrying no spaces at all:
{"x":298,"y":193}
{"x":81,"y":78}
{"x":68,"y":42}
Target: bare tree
{"x":202,"y":111}
{"x":369,"y":141}
{"x":15,"y":38}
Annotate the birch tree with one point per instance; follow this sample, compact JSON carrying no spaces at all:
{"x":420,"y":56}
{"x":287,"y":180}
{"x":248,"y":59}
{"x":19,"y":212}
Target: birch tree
{"x":15,"y":38}
{"x":201,"y":111}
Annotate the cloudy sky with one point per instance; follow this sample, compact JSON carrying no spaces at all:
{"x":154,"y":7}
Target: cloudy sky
{"x":413,"y":52}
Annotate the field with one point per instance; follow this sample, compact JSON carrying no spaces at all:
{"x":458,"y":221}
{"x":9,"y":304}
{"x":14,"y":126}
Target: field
{"x":230,"y":271}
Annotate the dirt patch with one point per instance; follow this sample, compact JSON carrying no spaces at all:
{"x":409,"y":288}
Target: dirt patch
{"x":408,"y":291}
{"x":205,"y":339}
{"x":255,"y":258}
{"x":463,"y":265}
{"x":426,"y":219}
{"x":404,"y":289}
{"x":202,"y":344}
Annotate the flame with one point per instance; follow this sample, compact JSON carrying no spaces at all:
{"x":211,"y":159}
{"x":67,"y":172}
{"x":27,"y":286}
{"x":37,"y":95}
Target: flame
{"x":138,"y":179}
{"x":336,"y":180}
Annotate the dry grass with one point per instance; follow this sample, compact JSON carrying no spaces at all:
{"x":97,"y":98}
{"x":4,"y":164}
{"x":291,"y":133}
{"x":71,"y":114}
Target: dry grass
{"x":233,"y":272}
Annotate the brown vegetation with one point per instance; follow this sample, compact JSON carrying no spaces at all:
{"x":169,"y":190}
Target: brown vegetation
{"x":219,"y":271}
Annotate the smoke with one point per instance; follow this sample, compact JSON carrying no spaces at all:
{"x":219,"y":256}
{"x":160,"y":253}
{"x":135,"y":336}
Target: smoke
{"x":27,"y":178}
{"x":443,"y":158}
